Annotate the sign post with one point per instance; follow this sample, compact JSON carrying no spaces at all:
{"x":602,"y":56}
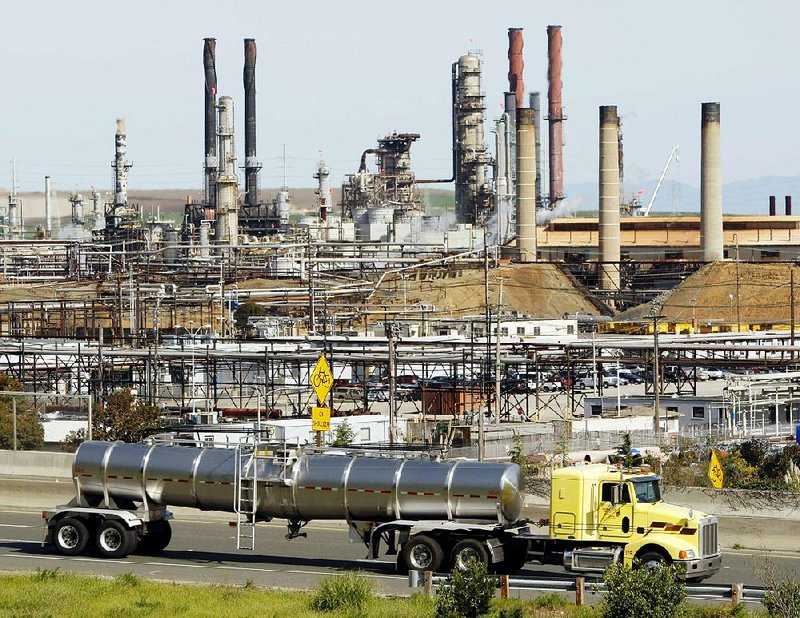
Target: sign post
{"x":321,"y":380}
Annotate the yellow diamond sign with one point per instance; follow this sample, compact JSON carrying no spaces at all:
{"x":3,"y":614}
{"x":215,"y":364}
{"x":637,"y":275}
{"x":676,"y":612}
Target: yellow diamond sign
{"x":322,"y":379}
{"x":320,"y":419}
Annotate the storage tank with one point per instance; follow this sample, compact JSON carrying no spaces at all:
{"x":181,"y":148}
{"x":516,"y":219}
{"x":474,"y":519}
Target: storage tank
{"x":315,"y":485}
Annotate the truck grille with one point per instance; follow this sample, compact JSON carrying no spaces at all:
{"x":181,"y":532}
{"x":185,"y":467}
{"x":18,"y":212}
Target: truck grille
{"x":708,"y":537}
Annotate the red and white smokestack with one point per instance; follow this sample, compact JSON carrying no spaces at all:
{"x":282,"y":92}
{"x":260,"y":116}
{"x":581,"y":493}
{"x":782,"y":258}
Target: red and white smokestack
{"x":609,"y":228}
{"x":516,"y":65}
{"x":555,"y":116}
{"x":711,"y":239}
{"x":526,"y":185}
{"x":210,"y":124}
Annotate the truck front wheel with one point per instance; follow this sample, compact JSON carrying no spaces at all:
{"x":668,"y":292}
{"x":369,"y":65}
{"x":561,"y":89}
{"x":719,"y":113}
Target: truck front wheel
{"x":114,"y":540}
{"x":422,"y":553}
{"x":70,"y":536}
{"x":468,"y":552}
{"x":651,"y":560}
{"x":158,"y":536}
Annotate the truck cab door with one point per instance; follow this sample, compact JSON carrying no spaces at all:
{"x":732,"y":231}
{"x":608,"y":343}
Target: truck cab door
{"x":615,"y":517}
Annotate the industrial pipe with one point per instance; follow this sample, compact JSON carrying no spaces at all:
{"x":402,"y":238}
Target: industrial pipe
{"x":710,"y":184}
{"x":772,"y":206}
{"x":536,"y":106}
{"x":453,"y":128}
{"x":609,"y":227}
{"x":526,"y":185}
{"x":209,"y":108}
{"x":48,"y":208}
{"x":555,"y":114}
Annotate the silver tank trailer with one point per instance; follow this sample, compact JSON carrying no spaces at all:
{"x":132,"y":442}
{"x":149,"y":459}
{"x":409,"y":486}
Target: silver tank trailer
{"x":313,"y":486}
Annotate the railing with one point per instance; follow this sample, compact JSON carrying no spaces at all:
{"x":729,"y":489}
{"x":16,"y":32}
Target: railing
{"x":737,"y":593}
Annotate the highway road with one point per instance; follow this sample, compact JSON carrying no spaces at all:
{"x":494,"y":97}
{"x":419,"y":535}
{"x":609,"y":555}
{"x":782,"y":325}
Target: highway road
{"x":203,"y":549}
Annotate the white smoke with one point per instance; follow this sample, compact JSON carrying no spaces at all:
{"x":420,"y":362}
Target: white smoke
{"x":73,"y":232}
{"x":565,"y":209}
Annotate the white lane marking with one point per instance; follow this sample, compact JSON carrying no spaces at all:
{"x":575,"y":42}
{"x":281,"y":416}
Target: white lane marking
{"x":104,"y":560}
{"x":235,"y":568}
{"x":37,"y":557}
{"x":28,"y":541}
{"x":18,"y":526}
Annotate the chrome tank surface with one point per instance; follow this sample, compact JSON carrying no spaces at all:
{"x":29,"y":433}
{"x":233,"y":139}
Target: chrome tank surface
{"x":313,"y":486}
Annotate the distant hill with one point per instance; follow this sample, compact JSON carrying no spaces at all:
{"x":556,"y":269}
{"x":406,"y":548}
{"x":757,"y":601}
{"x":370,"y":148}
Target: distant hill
{"x":741,"y":197}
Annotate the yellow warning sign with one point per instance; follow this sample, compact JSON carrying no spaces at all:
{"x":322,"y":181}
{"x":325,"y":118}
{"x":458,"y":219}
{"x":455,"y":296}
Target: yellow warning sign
{"x":321,"y":379}
{"x":715,"y":471}
{"x":320,"y":419}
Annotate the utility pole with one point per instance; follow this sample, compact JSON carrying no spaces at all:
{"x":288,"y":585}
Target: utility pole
{"x":656,"y":381}
{"x":738,"y":301}
{"x":392,"y":330}
{"x":497,"y":352}
{"x":488,"y":320}
{"x":791,"y":306}
{"x":312,"y":327}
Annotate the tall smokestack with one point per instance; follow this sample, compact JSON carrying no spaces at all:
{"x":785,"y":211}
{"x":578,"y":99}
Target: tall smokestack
{"x":251,"y":166}
{"x":516,"y":65}
{"x":555,"y":115}
{"x":209,"y":107}
{"x":773,"y":210}
{"x":609,"y":230}
{"x":48,"y":207}
{"x":787,"y":201}
{"x":536,"y":106}
{"x":710,"y":185}
{"x":227,"y":184}
{"x":526,"y":185}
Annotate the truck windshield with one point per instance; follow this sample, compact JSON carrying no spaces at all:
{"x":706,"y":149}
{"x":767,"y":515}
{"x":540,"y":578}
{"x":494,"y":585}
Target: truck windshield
{"x":647,"y":491}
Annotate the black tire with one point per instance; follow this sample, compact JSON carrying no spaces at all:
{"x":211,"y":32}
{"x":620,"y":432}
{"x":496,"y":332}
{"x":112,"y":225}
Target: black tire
{"x":70,"y":536}
{"x":114,"y":540}
{"x":422,"y":553}
{"x":515,"y":556}
{"x":156,"y":538}
{"x":651,"y":560}
{"x":466,"y":552}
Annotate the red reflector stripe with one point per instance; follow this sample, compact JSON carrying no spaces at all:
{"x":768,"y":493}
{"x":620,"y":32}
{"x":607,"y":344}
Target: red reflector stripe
{"x":167,"y":480}
{"x":151,"y":478}
{"x":492,"y":496}
{"x":128,"y":478}
{"x":351,"y":489}
{"x":459,"y":496}
{"x":86,"y":475}
{"x":308,"y":487}
{"x":385,"y":491}
{"x":474,"y":495}
{"x":224,"y":482}
{"x":183,"y":480}
{"x":112,"y":476}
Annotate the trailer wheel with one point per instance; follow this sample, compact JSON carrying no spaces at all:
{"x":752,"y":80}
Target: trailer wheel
{"x":114,"y":540}
{"x":422,"y":553}
{"x":468,"y":552}
{"x":70,"y":536}
{"x":515,"y":555}
{"x":158,"y":536}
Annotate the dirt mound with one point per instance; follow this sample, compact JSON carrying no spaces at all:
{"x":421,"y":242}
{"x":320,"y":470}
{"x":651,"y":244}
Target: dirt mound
{"x":538,"y":290}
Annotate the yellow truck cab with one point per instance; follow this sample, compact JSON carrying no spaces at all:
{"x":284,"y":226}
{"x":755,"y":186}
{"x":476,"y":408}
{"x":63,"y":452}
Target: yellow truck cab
{"x":601,"y":514}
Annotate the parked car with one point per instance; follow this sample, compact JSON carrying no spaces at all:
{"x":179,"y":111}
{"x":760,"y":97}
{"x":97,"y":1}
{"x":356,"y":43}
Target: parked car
{"x":708,"y":373}
{"x":630,"y":377}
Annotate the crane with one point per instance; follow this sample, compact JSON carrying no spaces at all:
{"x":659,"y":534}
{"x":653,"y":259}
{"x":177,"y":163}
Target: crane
{"x":672,"y":155}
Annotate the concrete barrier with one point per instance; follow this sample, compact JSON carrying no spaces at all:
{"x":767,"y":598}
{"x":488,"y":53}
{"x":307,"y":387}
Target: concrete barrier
{"x":36,"y":463}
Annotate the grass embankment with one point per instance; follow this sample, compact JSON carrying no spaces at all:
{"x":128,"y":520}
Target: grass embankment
{"x":50,"y":593}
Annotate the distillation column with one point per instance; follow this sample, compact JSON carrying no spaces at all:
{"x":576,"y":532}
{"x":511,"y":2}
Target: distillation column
{"x":609,"y":228}
{"x":227,"y":184}
{"x":210,"y":125}
{"x":710,"y":185}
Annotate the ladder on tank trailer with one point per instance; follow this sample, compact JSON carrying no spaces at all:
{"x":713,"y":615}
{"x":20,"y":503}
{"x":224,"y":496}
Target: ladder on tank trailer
{"x":246,"y":498}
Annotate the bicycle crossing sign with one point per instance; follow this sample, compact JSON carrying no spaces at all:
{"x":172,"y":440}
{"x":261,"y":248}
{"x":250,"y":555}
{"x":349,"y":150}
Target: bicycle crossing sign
{"x":715,"y":471}
{"x":321,"y":379}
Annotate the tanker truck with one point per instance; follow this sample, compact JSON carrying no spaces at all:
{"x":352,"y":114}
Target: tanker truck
{"x":428,"y":513}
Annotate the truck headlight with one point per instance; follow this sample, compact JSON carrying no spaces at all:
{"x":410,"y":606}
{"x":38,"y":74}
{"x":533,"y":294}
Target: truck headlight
{"x":686,"y":553}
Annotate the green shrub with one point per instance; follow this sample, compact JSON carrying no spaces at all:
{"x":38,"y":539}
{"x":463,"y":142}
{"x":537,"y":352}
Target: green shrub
{"x":348,"y":591}
{"x":642,"y":593}
{"x":467,"y":594}
{"x":782,"y":599}
{"x":550,"y":600}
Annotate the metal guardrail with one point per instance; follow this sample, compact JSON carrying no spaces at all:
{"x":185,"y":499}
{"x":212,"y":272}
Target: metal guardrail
{"x":750,"y":594}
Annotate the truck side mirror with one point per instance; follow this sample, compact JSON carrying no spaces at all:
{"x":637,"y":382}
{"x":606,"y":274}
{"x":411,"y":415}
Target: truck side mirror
{"x":616,"y":494}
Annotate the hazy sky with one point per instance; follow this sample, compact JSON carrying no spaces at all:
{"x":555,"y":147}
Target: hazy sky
{"x":333,"y":76}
